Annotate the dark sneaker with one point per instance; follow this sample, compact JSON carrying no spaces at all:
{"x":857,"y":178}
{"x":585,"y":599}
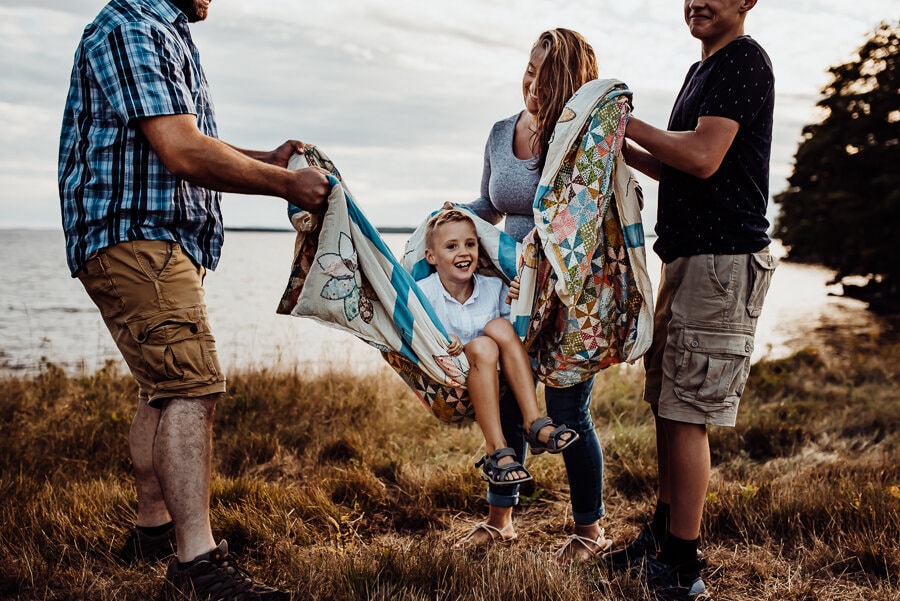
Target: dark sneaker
{"x":643,"y":546}
{"x":142,"y":547}
{"x":215,"y":577}
{"x":668,"y":583}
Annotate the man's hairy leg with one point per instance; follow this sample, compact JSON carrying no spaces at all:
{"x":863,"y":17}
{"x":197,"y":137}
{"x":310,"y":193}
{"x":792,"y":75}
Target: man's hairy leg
{"x":182,"y":457}
{"x":152,"y":510}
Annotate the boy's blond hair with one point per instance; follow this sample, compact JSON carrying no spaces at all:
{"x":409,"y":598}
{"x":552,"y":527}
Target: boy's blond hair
{"x":442,"y":218}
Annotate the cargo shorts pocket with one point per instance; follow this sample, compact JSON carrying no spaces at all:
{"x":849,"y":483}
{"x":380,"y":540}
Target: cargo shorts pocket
{"x":95,"y":277}
{"x":762,"y":266}
{"x":713,"y":368}
{"x":177,"y":348}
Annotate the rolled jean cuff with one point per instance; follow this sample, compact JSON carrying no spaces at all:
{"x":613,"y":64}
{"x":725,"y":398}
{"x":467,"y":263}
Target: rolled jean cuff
{"x":502,"y":499}
{"x":585,"y":519}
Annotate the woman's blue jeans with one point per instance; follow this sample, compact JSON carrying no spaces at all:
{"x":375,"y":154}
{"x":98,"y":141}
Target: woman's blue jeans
{"x":584,"y":459}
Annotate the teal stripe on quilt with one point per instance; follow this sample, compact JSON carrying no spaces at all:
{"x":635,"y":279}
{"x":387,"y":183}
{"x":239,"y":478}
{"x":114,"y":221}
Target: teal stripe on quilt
{"x":507,"y":255}
{"x":634,"y":235}
{"x":401,"y":281}
{"x":520,"y":325}
{"x":539,"y":196}
{"x":421,"y":270}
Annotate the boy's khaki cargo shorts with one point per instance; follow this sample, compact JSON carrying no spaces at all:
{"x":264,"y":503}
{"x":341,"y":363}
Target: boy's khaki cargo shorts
{"x":704,"y":324}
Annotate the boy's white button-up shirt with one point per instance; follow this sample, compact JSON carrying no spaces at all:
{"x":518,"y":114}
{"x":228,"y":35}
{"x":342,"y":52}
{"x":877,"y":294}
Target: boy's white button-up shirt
{"x":467,"y":320}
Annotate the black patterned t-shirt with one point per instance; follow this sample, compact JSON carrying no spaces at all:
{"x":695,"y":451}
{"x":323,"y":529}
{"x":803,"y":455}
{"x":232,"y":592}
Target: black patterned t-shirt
{"x":725,"y":213}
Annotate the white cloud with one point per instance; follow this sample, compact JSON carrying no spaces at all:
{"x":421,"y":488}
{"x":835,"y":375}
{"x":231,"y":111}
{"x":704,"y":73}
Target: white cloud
{"x":401,"y":93}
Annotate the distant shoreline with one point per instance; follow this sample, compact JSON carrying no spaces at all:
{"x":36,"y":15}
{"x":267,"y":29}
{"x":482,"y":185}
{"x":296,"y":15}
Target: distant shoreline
{"x":281,"y":230}
{"x":401,"y":229}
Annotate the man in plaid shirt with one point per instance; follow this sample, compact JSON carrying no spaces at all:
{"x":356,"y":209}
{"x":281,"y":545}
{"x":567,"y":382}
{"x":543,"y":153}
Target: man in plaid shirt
{"x":141,"y":172}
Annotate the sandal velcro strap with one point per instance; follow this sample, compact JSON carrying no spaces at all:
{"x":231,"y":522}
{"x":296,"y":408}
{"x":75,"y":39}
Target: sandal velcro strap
{"x":493,"y":472}
{"x":556,"y":442}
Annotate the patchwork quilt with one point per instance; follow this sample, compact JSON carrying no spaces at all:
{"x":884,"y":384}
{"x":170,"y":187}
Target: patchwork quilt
{"x":585,"y":298}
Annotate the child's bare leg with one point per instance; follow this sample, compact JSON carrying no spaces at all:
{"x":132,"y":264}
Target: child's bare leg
{"x":484,"y":391}
{"x":517,"y":368}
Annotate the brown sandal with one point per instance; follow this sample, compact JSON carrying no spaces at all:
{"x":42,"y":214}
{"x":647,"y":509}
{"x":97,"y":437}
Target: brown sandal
{"x":568,"y":553}
{"x":496,"y":537}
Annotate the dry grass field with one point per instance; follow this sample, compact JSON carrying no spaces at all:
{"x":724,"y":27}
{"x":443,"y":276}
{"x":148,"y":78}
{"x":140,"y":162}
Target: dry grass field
{"x":345,"y":488}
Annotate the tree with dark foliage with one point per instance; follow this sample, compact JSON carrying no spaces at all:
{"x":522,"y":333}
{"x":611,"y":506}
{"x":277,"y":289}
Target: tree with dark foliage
{"x":842,"y":206}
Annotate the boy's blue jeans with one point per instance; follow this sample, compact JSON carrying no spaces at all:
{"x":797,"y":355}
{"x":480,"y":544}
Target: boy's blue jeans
{"x":584,"y":459}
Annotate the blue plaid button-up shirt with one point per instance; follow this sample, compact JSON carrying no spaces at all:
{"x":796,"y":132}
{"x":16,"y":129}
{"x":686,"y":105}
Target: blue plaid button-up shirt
{"x":135,"y":60}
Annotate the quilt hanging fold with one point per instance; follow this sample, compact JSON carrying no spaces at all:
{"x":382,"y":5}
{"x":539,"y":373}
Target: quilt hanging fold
{"x":345,"y":276}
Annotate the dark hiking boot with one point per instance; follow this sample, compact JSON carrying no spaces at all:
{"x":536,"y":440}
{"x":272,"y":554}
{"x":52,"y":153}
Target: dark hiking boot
{"x":645,"y":545}
{"x":670,"y":583}
{"x":215,"y":577}
{"x":142,"y":547}
{"x":642,"y":547}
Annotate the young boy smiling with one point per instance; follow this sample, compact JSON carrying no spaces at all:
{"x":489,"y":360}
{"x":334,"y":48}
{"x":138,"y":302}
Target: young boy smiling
{"x":473,"y":309}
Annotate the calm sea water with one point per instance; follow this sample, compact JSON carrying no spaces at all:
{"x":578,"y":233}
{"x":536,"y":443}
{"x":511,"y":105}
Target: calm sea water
{"x":47,"y":316}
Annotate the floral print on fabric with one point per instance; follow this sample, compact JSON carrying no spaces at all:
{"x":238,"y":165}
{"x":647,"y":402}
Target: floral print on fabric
{"x":346,"y":282}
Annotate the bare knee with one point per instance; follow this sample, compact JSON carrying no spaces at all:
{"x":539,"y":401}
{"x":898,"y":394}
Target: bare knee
{"x":501,"y":331}
{"x":185,"y":431}
{"x":482,"y":350}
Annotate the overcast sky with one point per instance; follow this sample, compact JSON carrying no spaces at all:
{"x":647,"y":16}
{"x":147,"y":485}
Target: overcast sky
{"x":400,"y":93}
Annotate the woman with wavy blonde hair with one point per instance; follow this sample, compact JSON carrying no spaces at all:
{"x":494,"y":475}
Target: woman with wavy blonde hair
{"x":561,"y":61}
{"x":570,"y":63}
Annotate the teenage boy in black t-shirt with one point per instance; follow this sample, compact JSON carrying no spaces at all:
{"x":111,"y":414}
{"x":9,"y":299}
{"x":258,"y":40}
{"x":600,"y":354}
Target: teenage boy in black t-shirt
{"x":712,"y":164}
